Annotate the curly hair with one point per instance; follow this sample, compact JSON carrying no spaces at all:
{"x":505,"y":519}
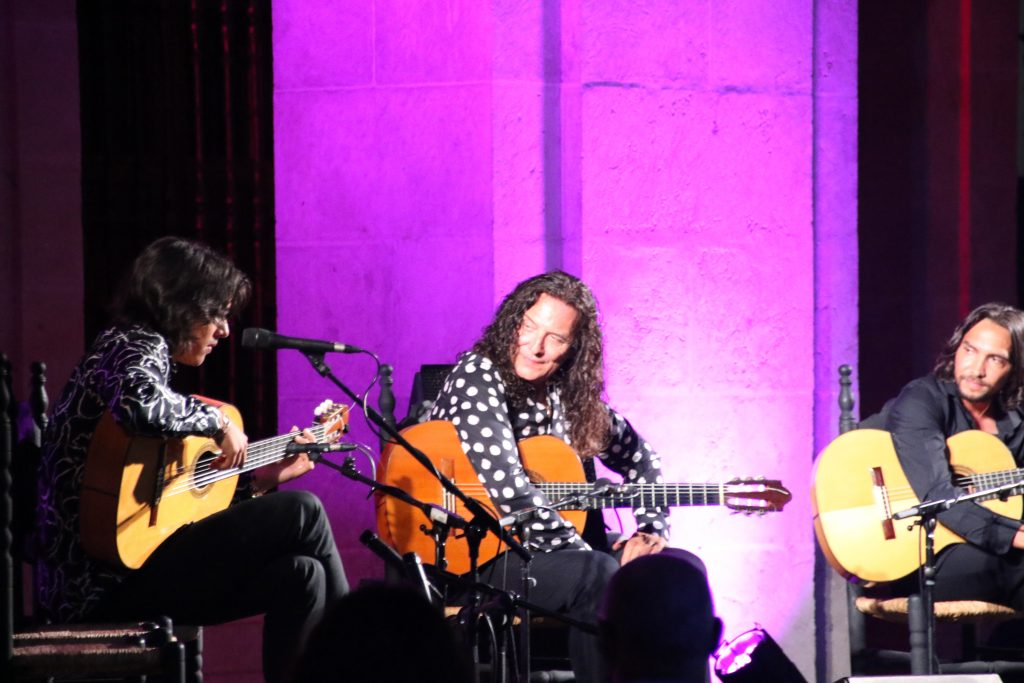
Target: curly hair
{"x":174,"y":285}
{"x":1011,"y":396}
{"x":580,"y":377}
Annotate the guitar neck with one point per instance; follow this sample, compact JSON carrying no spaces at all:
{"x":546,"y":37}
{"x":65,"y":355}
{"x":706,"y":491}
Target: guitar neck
{"x":638,"y":495}
{"x":989,"y":480}
{"x":274,"y":449}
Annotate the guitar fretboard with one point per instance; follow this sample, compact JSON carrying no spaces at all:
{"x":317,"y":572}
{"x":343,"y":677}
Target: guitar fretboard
{"x":259,"y":453}
{"x":273,"y":449}
{"x":638,"y":495}
{"x":991,"y":480}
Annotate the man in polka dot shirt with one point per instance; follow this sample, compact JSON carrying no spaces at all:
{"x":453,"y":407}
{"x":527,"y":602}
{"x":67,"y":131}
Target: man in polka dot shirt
{"x":538,"y":369}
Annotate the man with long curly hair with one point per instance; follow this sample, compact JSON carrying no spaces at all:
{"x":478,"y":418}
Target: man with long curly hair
{"x":977,"y":383}
{"x":271,"y":554}
{"x":538,"y":369}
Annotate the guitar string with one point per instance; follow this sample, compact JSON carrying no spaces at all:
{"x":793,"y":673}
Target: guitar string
{"x":265,"y":450}
{"x":269,"y":450}
{"x":205,"y":475}
{"x":985,"y":480}
{"x":648,"y":494}
{"x":259,"y":453}
{"x":977,"y":481}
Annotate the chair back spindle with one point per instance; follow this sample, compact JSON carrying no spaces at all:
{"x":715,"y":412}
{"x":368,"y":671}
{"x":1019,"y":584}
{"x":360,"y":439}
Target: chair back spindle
{"x":39,"y":402}
{"x":6,"y":513}
{"x":846,"y":420}
{"x":11,"y":409}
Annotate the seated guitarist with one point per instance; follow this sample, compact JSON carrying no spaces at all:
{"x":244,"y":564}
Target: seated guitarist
{"x":272,"y":554}
{"x":538,"y":369}
{"x":978,"y":383}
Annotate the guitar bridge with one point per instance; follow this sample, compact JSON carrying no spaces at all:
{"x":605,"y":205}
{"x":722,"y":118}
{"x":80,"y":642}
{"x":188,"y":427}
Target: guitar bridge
{"x":881,"y":495}
{"x":158,"y":483}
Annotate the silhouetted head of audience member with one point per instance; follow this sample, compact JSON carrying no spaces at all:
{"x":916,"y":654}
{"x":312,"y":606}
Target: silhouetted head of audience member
{"x":383,"y":634}
{"x":657,"y":621}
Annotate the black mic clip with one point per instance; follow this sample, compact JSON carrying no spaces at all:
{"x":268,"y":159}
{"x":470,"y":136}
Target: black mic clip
{"x":318,"y":448}
{"x":603,"y":487}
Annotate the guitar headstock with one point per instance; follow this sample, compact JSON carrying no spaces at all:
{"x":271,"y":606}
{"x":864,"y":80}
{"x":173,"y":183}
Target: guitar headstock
{"x":333,"y":416}
{"x":756,"y":495}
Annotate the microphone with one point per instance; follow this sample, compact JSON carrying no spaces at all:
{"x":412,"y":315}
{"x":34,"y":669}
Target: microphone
{"x":517,"y":516}
{"x":444,"y":517}
{"x":382,"y":550}
{"x":314,"y":448}
{"x":416,"y":574}
{"x":258,"y":338}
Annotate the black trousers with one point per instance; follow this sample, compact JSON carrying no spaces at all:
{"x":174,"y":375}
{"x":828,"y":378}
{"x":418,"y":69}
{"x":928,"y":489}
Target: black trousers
{"x":966,"y":572}
{"x":567,"y":581}
{"x":272,"y":555}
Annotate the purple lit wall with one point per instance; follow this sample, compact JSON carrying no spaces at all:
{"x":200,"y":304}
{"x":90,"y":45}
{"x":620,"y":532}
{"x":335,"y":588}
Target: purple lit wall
{"x":695,"y":162}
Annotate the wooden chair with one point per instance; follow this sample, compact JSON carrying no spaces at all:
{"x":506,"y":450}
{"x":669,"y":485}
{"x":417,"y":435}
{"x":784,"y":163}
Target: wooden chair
{"x":65,"y":652}
{"x":968,"y":614}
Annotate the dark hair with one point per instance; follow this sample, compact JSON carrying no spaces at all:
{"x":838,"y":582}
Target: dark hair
{"x":174,"y":285}
{"x":1012,"y":394}
{"x":657,"y":618}
{"x":580,"y":378}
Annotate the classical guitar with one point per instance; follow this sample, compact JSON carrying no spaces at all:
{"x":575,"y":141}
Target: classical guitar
{"x":139,"y":490}
{"x":859,"y":485}
{"x":552,"y":466}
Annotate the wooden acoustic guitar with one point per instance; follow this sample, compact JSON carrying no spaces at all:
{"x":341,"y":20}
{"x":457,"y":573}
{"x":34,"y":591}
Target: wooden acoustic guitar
{"x":139,"y":490}
{"x":552,"y":466}
{"x":859,"y":485}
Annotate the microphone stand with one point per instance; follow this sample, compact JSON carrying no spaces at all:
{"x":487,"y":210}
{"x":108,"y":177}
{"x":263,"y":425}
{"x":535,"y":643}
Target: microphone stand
{"x":442,"y":520}
{"x":482,"y":520}
{"x":921,"y":611}
{"x":506,"y":601}
{"x":574,"y":500}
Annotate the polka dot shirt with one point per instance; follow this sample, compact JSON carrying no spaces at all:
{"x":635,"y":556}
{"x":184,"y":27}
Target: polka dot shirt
{"x":473,"y":400}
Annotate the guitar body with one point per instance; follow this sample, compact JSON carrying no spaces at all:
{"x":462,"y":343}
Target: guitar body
{"x":545,"y":458}
{"x":137,"y":491}
{"x":858,"y":485}
{"x":124,"y":516}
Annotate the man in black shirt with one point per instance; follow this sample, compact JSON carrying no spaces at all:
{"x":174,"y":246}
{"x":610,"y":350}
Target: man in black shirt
{"x":978,"y":383}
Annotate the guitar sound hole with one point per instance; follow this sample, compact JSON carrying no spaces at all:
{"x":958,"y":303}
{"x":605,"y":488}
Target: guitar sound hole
{"x":202,"y":473}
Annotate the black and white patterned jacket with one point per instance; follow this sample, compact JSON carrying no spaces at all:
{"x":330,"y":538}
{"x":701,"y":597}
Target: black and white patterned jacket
{"x":127,"y":372}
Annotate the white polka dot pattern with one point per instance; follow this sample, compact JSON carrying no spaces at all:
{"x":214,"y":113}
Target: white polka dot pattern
{"x":485,"y":431}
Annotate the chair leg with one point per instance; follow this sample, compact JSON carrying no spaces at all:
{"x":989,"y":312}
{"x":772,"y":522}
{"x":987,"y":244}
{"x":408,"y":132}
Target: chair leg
{"x":917,"y":622}
{"x":174,"y":662}
{"x":857,"y":628}
{"x":969,"y":639}
{"x":194,"y":659}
